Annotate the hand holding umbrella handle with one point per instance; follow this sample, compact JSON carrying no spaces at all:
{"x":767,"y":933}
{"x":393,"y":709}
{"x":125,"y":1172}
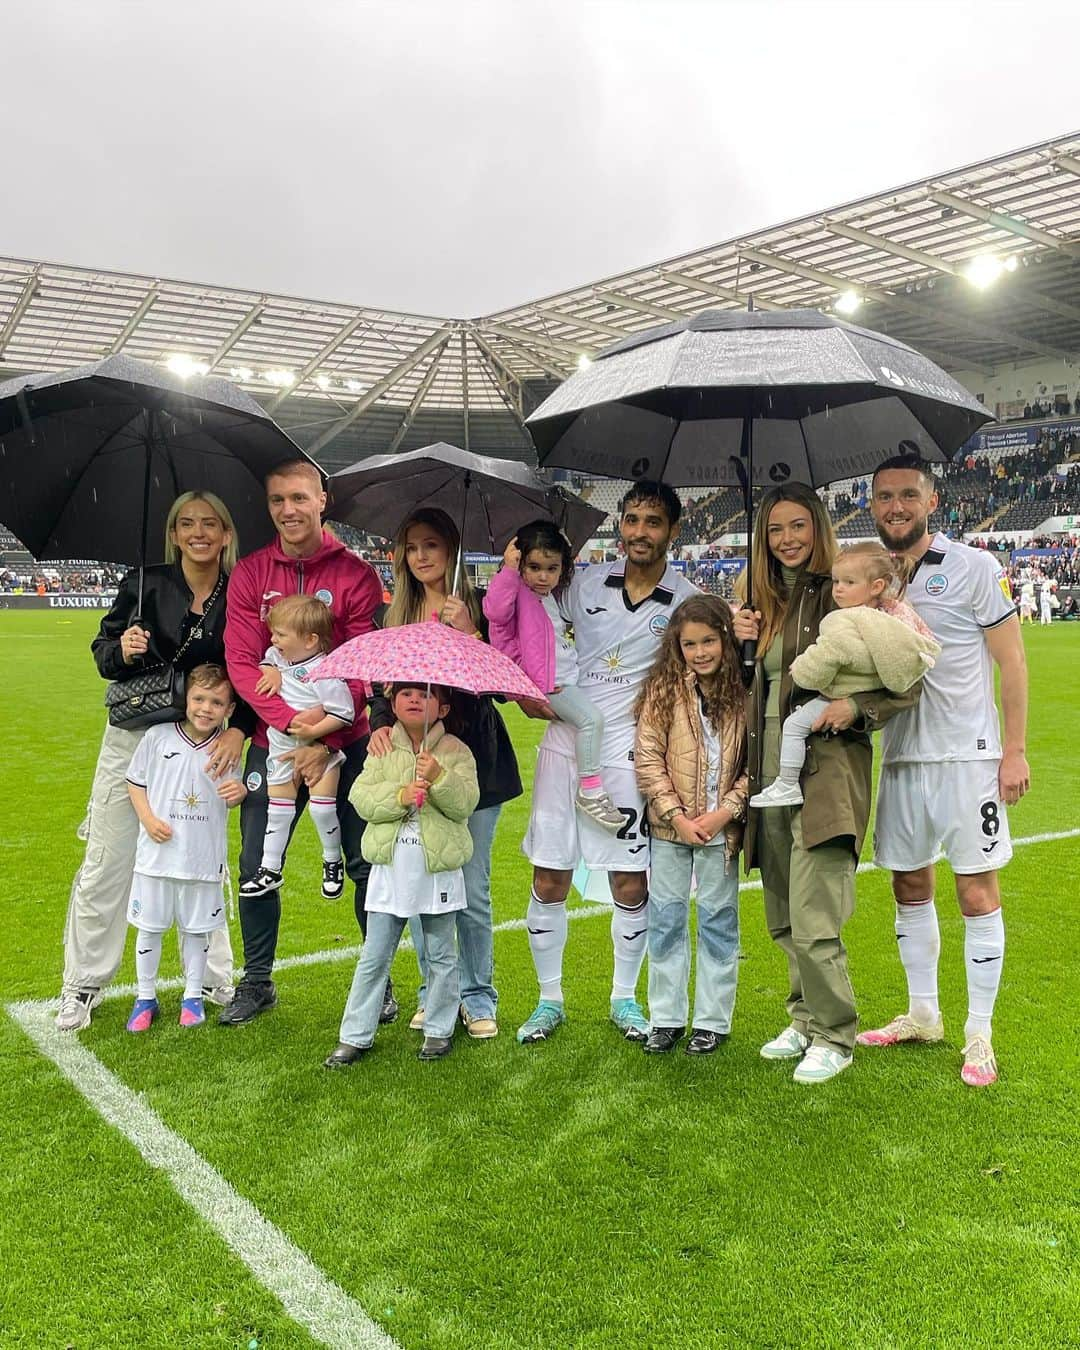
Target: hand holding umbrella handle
{"x":746,"y":625}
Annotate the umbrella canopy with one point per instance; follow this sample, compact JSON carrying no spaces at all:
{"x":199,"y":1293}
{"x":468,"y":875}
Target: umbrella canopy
{"x":428,"y":653}
{"x":489,"y":499}
{"x":817,"y":398}
{"x":91,"y":459}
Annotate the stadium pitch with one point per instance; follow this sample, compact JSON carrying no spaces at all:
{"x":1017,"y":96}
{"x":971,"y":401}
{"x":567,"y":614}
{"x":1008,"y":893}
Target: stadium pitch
{"x":218,"y":1188}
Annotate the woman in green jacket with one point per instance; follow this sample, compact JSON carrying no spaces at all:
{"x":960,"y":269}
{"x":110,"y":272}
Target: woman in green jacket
{"x":417,"y":798}
{"x":807,"y":855}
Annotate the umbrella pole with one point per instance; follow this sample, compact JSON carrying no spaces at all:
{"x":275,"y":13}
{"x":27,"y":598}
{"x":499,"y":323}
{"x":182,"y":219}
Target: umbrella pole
{"x":746,"y":473}
{"x":145,"y":510}
{"x":461,"y":534}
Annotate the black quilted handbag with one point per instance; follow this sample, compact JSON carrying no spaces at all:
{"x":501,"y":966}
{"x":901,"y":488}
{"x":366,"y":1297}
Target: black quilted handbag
{"x":158,"y":694}
{"x":152,"y":696}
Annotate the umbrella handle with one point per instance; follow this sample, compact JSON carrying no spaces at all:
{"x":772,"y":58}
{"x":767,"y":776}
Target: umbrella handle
{"x":748,"y":650}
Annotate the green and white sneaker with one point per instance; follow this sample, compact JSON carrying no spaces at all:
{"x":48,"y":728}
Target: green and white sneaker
{"x":627,"y":1015}
{"x":542,"y":1023}
{"x":790,"y":1044}
{"x":819,"y":1064}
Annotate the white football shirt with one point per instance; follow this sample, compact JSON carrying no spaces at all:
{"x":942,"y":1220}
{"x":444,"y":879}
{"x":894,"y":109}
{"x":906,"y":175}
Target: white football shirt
{"x":172,"y":769}
{"x":566,"y":671}
{"x":616,"y":644}
{"x":300,"y":692}
{"x":960,"y":593}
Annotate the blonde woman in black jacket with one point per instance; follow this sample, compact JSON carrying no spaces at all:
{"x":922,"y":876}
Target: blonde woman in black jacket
{"x":183,"y":606}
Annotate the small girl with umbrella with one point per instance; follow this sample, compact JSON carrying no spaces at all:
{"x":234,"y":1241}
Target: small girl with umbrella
{"x":417,"y":799}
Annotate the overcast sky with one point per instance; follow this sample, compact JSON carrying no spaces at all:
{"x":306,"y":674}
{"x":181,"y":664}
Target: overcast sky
{"x":456,"y":158}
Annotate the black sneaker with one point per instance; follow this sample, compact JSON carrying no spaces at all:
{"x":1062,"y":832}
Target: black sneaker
{"x":263,"y":882}
{"x":389,"y":1004}
{"x":333,"y":879}
{"x":250,"y":999}
{"x":662,"y":1039}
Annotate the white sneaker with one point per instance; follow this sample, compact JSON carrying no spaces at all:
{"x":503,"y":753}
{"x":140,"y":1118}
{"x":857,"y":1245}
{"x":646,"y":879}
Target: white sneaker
{"x":819,"y":1064}
{"x":76,"y":1005}
{"x":221,"y":994}
{"x":790,"y":1044}
{"x":599,"y":807}
{"x":778,"y":793}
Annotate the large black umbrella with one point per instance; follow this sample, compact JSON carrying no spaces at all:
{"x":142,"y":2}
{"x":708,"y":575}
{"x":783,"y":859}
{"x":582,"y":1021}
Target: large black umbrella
{"x":733,"y":399}
{"x":91,"y":459}
{"x":488,"y":498}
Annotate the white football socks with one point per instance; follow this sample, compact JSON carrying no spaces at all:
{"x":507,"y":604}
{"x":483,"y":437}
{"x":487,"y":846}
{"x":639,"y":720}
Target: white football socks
{"x":324,"y":813}
{"x":629,"y":939}
{"x":919,"y":942}
{"x":279,"y":819}
{"x":147,"y":961}
{"x":984,"y":955}
{"x":193,"y":950}
{"x":547,"y":942}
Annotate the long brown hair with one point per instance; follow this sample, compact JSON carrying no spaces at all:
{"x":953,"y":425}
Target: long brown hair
{"x":766,"y":573}
{"x":725,"y":695}
{"x":407,"y":604}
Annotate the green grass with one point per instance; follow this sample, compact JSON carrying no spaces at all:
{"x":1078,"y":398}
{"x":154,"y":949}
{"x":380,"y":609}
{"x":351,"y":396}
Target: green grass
{"x":576,"y":1194}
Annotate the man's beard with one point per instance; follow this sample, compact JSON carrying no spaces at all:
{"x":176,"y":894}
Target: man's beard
{"x":905,"y":541}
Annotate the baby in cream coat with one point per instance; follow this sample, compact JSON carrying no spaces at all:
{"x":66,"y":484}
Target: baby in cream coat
{"x":873,"y":640}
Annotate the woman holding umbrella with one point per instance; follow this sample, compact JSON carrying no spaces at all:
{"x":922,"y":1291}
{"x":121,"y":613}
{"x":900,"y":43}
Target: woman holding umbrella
{"x":426,"y":553}
{"x":807,"y":855}
{"x":181,"y":621}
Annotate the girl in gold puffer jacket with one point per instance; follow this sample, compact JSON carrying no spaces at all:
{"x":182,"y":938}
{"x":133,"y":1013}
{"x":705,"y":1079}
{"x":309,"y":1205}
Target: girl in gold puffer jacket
{"x":690,"y":759}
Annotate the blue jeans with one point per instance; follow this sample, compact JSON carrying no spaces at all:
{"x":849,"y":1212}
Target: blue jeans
{"x":669,"y":935}
{"x":361,"y":1015}
{"x":476,"y":941}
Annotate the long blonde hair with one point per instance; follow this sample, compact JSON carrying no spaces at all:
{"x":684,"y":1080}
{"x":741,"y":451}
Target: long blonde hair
{"x":766,"y":574}
{"x":407,"y":603}
{"x":229,"y":553}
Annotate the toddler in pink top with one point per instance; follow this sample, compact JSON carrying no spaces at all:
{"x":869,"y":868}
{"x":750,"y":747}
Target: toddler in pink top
{"x":527,"y":623}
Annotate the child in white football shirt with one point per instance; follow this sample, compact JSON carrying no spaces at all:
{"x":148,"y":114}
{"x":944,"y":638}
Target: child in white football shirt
{"x":872,"y":640}
{"x":301,"y":634}
{"x":180,"y":854}
{"x":527,"y":623}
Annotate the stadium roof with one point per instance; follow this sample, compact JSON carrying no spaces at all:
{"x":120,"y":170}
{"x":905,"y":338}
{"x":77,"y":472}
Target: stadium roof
{"x":350,"y":380}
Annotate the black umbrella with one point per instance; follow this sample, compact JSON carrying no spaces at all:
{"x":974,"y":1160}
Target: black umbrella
{"x":489,"y":498}
{"x":91,"y":459}
{"x":733,"y":399}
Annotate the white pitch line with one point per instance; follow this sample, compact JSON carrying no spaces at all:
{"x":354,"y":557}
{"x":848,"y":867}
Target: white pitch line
{"x":332,"y":955}
{"x":309,"y":1297}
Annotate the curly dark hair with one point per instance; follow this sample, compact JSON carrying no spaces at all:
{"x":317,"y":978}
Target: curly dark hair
{"x":725,"y":694}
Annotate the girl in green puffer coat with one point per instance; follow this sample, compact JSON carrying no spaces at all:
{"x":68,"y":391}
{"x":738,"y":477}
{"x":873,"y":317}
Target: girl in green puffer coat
{"x":417,"y":799}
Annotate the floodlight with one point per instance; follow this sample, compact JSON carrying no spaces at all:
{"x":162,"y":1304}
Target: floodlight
{"x":184,"y":365}
{"x":1010,"y":263}
{"x":583,"y":362}
{"x":241,"y":372}
{"x":284,"y":379}
{"x":847,"y":303}
{"x":354,"y":386}
{"x":983,"y":270}
{"x":323,"y":381}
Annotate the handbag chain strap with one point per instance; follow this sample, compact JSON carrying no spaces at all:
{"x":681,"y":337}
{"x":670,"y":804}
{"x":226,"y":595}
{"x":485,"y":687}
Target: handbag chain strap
{"x":197,"y":627}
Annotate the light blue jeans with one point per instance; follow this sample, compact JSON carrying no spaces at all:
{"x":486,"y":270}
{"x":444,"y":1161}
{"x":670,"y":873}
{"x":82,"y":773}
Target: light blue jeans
{"x":475,"y":939}
{"x":361,"y":1016}
{"x":578,"y":709}
{"x":669,"y":935}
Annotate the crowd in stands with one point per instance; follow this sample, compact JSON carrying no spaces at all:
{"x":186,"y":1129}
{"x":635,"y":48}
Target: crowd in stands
{"x":1058,"y":406}
{"x":62,"y":580}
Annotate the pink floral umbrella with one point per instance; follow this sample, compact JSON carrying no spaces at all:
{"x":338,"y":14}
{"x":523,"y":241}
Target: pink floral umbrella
{"x":429,"y":653}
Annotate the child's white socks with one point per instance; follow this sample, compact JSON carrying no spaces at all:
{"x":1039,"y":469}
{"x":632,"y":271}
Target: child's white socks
{"x":193,"y":950}
{"x":984,"y":956}
{"x":324,"y":813}
{"x":279,"y":819}
{"x":147,"y":961}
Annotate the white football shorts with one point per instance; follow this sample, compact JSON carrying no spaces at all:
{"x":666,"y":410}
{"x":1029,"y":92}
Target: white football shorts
{"x":156,"y":903}
{"x":559,"y":836}
{"x":950,"y":809}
